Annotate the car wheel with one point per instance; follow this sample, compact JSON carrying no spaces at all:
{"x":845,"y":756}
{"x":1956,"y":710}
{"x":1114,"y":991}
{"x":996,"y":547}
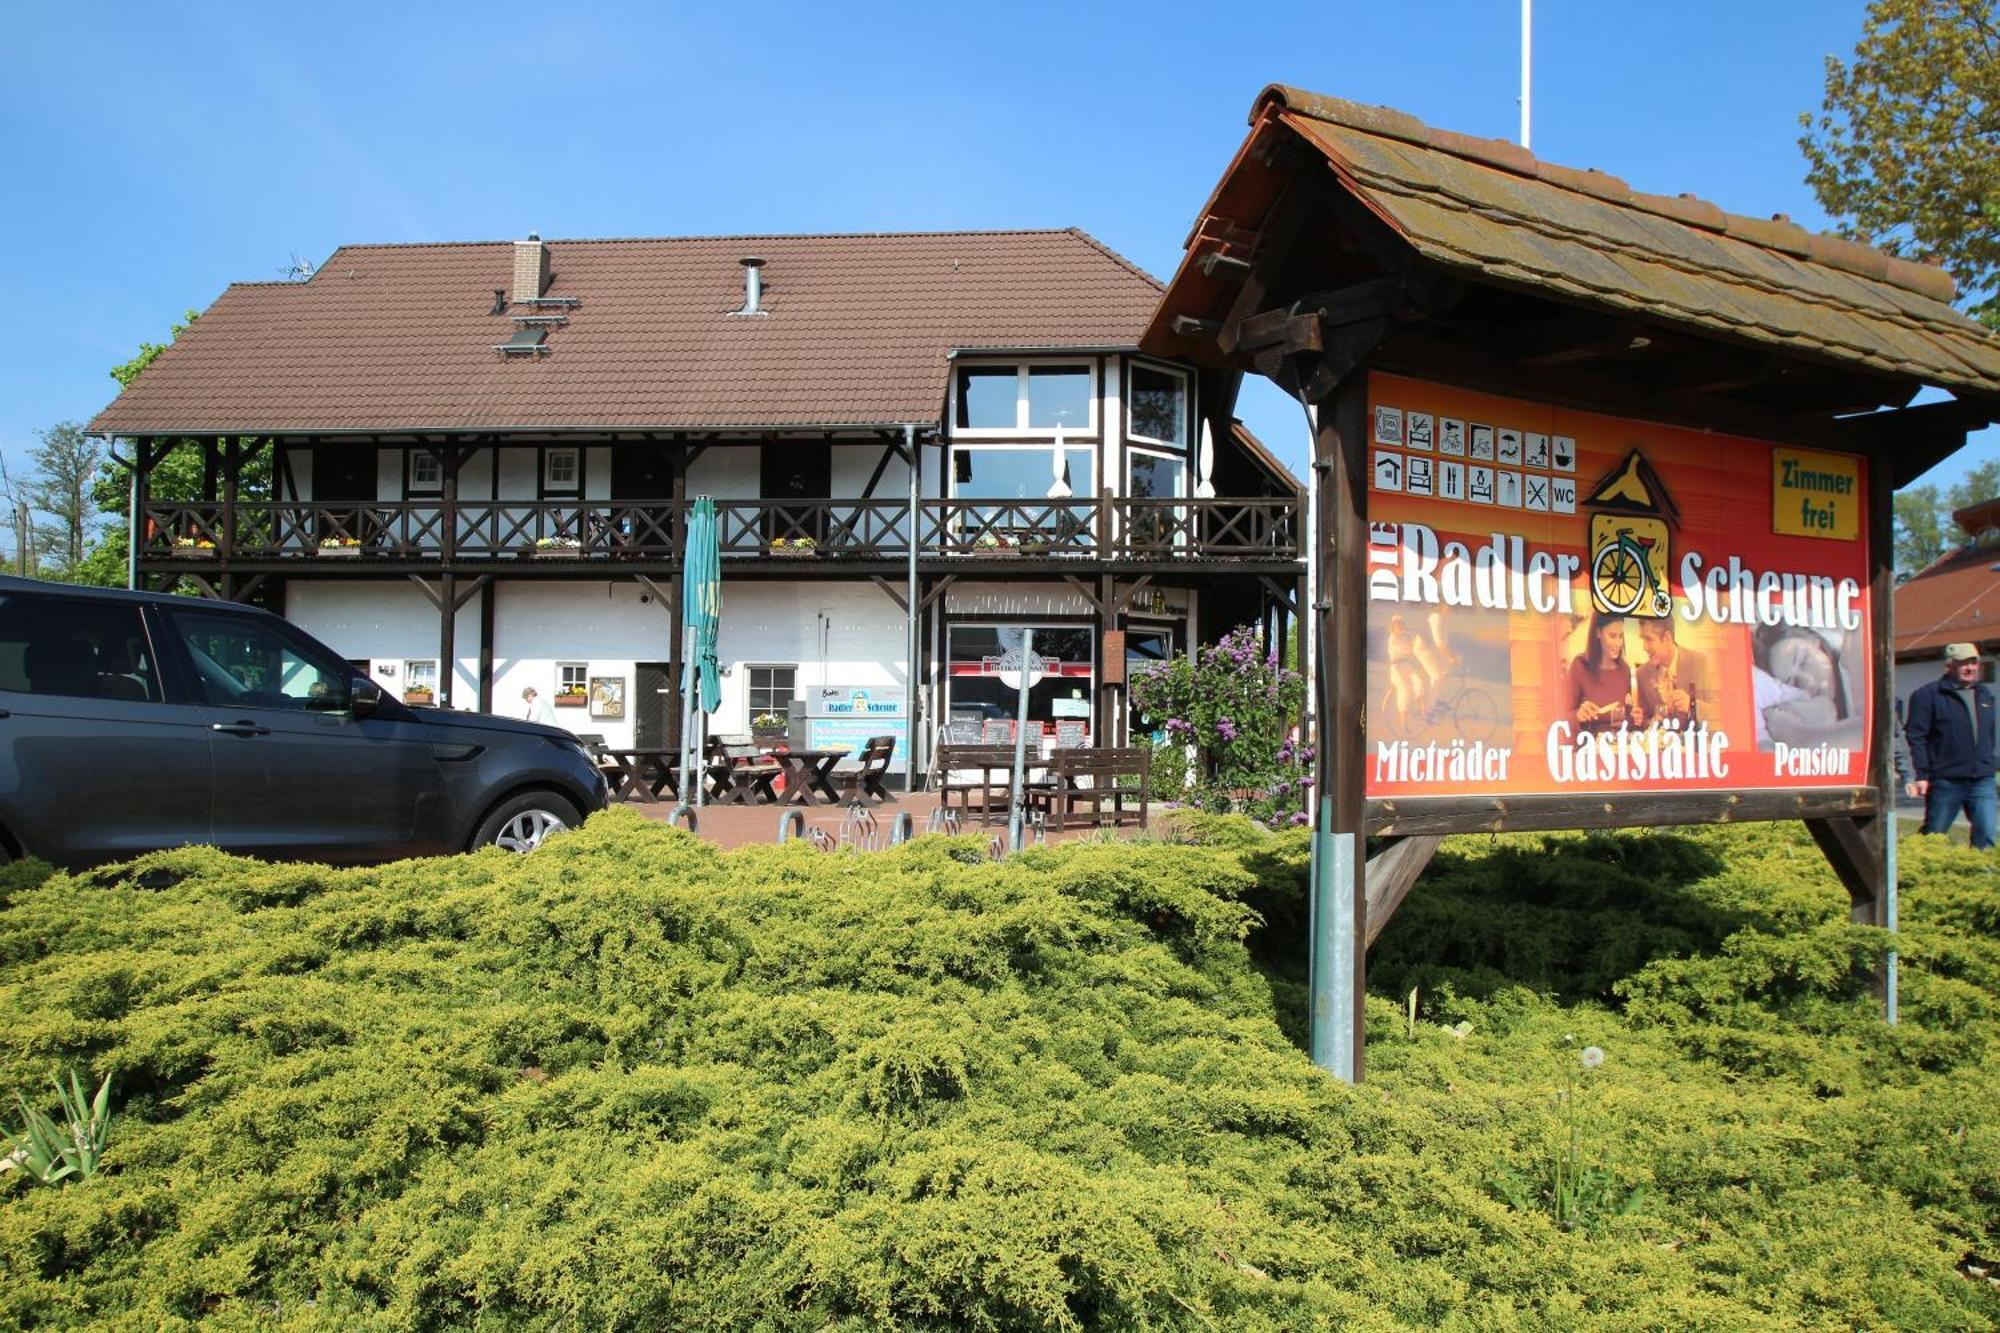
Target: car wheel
{"x":522,"y":823}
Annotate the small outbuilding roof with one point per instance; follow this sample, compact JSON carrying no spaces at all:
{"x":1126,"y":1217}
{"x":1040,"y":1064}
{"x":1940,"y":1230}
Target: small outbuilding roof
{"x":1956,"y":600}
{"x":854,"y":330}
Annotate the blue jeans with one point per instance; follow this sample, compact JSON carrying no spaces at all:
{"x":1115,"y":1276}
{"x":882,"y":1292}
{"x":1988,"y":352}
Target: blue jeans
{"x":1975,"y":796}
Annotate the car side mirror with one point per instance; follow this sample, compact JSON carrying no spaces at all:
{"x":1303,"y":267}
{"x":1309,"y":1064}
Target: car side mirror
{"x":367,"y":696}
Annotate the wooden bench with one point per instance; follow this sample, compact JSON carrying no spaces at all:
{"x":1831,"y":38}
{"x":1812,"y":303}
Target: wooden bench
{"x":985,"y":769}
{"x":1083,"y":783}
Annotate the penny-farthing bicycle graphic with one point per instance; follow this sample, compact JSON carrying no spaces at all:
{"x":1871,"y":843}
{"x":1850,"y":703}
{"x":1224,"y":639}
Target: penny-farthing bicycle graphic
{"x":1621,"y":575}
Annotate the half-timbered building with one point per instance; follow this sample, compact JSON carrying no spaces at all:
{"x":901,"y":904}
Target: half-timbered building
{"x":469,"y":466}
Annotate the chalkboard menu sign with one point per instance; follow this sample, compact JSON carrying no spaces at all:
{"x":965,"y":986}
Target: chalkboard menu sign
{"x":1072,"y":735}
{"x":963,"y":731}
{"x":999,"y":731}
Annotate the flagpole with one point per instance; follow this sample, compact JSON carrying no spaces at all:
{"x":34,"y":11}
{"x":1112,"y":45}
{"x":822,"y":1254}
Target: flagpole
{"x":1527,"y":69}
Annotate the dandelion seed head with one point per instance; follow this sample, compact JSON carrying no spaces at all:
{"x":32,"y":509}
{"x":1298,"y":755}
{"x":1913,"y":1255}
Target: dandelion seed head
{"x":1592,"y":1056}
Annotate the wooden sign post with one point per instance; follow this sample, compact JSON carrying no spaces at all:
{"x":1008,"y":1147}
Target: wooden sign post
{"x":1601,"y":486}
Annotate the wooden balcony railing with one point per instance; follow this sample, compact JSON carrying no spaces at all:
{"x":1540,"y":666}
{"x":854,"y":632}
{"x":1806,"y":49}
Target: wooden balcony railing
{"x":417,"y":532}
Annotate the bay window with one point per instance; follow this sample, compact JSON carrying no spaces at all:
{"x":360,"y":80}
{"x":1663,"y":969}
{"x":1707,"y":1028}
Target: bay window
{"x":1031,"y":396}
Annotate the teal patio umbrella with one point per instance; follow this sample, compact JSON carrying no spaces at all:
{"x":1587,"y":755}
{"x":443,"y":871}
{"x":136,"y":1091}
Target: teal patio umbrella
{"x":701,"y":613}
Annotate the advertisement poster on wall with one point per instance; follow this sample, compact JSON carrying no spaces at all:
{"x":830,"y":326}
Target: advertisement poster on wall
{"x":1563,"y":602}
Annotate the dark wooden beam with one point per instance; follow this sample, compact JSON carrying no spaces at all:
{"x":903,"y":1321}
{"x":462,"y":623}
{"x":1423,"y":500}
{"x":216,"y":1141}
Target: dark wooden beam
{"x":1853,"y":848}
{"x":1089,"y":594}
{"x":1504,"y":814}
{"x":894,"y":593}
{"x":937,"y":591}
{"x":1391,"y":873}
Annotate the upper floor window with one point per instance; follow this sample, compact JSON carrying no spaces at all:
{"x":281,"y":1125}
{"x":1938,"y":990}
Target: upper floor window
{"x":1036,"y":396}
{"x":561,"y":471}
{"x":1158,"y":406}
{"x":426,"y":473}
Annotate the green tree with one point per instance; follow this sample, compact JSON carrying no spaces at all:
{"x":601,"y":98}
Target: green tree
{"x":1905,"y":153}
{"x":61,"y":485}
{"x":177,"y":477}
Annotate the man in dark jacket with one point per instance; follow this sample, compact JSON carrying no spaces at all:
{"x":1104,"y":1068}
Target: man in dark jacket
{"x":1950,"y":731}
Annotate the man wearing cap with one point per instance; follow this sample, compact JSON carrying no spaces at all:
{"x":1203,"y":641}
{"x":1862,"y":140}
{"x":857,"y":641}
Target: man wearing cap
{"x":1950,"y":731}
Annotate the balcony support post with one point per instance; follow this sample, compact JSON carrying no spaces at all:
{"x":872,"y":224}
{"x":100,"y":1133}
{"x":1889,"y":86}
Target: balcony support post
{"x":912,"y":612}
{"x":676,"y":632}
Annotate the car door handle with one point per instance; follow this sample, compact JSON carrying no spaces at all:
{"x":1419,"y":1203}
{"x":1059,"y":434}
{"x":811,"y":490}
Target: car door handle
{"x":240,"y":727}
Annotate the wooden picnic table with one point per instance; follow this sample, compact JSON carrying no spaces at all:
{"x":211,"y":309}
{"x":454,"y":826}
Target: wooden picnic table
{"x":642,"y":775}
{"x":808,"y":773}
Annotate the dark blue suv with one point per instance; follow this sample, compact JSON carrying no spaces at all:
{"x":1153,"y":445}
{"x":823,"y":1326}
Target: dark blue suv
{"x":130,"y":721}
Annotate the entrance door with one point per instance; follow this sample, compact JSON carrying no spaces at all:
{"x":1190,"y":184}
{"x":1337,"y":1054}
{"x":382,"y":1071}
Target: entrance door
{"x":1146,"y":645}
{"x":789,"y":470}
{"x":654,"y":697}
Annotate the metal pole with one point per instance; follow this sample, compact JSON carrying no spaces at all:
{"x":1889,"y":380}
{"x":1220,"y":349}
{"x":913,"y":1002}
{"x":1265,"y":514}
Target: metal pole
{"x":1527,"y":67}
{"x":132,"y":528}
{"x":1016,"y":789}
{"x":910,"y":600}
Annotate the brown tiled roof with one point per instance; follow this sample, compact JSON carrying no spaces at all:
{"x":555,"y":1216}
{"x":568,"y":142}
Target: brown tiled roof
{"x":1493,"y":210}
{"x":1955,"y":600}
{"x":400,"y":337}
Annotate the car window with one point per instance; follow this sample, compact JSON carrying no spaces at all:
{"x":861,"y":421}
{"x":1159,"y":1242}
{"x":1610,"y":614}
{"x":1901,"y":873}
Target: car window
{"x":75,"y":648}
{"x":247,"y":662}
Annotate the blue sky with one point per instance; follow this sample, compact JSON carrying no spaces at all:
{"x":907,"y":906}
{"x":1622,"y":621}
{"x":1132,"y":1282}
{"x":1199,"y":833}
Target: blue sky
{"x":158,"y":153}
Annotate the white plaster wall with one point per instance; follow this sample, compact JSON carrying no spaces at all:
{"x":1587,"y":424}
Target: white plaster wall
{"x":835,"y":633}
{"x":610,"y":626}
{"x":1110,"y":410}
{"x":302,"y":474}
{"x":1016,"y":600}
{"x":386,"y":621}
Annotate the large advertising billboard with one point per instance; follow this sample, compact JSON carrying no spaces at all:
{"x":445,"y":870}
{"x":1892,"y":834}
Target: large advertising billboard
{"x":1563,"y":602}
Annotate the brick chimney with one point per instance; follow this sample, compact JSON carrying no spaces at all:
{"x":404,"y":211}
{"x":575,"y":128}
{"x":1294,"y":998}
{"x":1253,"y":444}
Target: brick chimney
{"x":531,"y":268}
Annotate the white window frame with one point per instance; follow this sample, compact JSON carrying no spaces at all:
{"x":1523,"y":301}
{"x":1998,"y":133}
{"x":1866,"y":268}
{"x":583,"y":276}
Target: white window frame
{"x":1078,"y":493}
{"x":750,"y":687}
{"x":421,"y":486}
{"x":410,"y":673}
{"x":574,"y":486}
{"x":582,"y":670}
{"x":1021,"y":429}
{"x":1188,"y":417}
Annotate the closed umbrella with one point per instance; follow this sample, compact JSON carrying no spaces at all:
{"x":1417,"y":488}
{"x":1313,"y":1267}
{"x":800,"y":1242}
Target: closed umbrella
{"x":701,"y":613}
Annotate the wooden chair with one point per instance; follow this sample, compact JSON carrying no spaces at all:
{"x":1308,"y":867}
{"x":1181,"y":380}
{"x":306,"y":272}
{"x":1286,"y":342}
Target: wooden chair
{"x":866,"y":781}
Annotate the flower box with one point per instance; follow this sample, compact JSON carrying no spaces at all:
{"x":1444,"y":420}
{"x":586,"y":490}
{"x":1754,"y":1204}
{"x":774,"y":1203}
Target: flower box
{"x":555,"y":553}
{"x":793,"y":552}
{"x":576,"y":700}
{"x":421,"y":698}
{"x":194,"y":553}
{"x":339,"y":552}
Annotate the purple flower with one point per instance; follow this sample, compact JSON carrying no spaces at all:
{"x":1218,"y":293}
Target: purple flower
{"x":1298,"y":817}
{"x":1305,"y":782}
{"x":1225,"y":729}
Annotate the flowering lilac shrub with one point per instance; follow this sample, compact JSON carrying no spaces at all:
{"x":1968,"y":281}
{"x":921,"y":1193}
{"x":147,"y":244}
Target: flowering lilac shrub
{"x":1235,"y":706}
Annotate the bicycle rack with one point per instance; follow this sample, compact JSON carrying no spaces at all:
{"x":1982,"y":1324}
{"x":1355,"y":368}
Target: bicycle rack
{"x":681,"y":811}
{"x":791,"y":824}
{"x":902,"y":828}
{"x":858,"y":828}
{"x":996,"y":847}
{"x":941,"y":821}
{"x":820,"y":839}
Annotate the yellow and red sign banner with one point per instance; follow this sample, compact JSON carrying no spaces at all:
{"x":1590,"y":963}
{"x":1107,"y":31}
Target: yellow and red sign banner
{"x":1569,"y":603}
